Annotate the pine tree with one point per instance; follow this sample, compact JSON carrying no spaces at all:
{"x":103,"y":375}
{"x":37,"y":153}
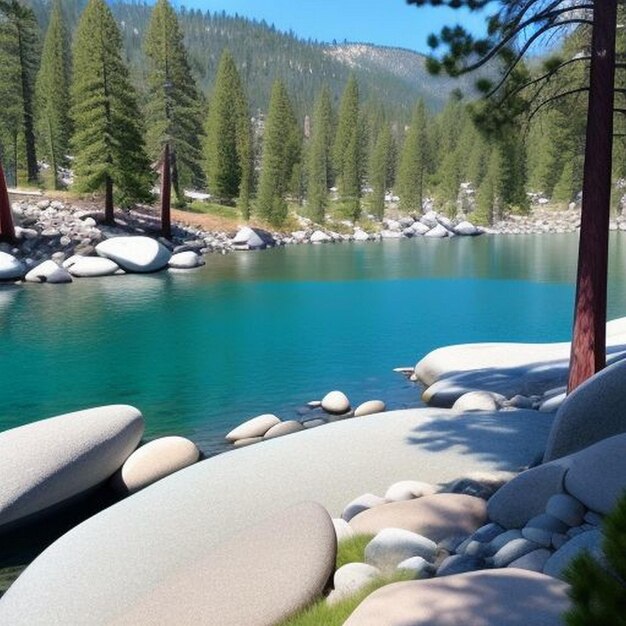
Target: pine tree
{"x":381,"y":168}
{"x":281,"y":152}
{"x":174,"y":108}
{"x":319,"y":158}
{"x":19,"y":62}
{"x":108,"y":144}
{"x":228,"y":148}
{"x":413,"y":162}
{"x":53,"y":94}
{"x":489,"y":197}
{"x":348,"y":150}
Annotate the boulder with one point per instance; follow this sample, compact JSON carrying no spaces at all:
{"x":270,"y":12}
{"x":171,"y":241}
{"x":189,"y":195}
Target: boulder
{"x":508,"y":597}
{"x":590,"y":541}
{"x":370,"y":407}
{"x":436,"y":517}
{"x":512,"y":551}
{"x":418,"y":566}
{"x":252,"y":239}
{"x":446,"y":222}
{"x":476,"y":401}
{"x":284,"y":428}
{"x":360,"y":235}
{"x":408,"y":490}
{"x":90,"y":266}
{"x":45,"y":463}
{"x":466,"y":229}
{"x":593,"y":411}
{"x":10,"y":267}
{"x":247,"y":441}
{"x":255,"y":427}
{"x":354,"y":576}
{"x":460,"y":564}
{"x":567,"y":509}
{"x":429,"y":219}
{"x":320,"y":236}
{"x":342,"y":529}
{"x":390,"y":234}
{"x":135,"y":254}
{"x":155,"y":460}
{"x":273,"y":569}
{"x":419,"y":228}
{"x":336,"y":402}
{"x":360,"y":504}
{"x":533,"y":561}
{"x":438,"y":232}
{"x":186,"y":260}
{"x":48,"y":272}
{"x":393,"y":545}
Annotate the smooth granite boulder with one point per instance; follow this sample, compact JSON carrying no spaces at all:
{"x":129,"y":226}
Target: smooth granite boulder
{"x":45,"y":463}
{"x":369,"y":408}
{"x":90,"y":266}
{"x":284,"y":428}
{"x":436,"y":517}
{"x":590,"y":541}
{"x":476,"y":401}
{"x":336,"y":402}
{"x":409,"y":490}
{"x":527,"y":494}
{"x":185,"y":260}
{"x":597,"y":476}
{"x":252,"y":239}
{"x":592,"y":412}
{"x":438,"y":232}
{"x":393,"y":545}
{"x":466,"y":229}
{"x":10,"y":267}
{"x":354,"y":576}
{"x":533,"y":561}
{"x":155,"y":460}
{"x":360,"y":504}
{"x":566,"y":508}
{"x":135,"y":254}
{"x":508,"y":597}
{"x":255,"y":427}
{"x":48,"y":272}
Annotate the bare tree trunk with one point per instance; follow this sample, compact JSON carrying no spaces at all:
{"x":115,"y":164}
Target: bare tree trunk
{"x":7,"y":231}
{"x":109,"y":216}
{"x":588,"y":354}
{"x":166,"y":194}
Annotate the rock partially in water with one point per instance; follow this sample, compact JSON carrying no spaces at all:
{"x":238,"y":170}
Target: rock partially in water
{"x":48,"y":272}
{"x":186,"y":260}
{"x":284,"y":428}
{"x":438,"y":232}
{"x":90,"y":266}
{"x":135,"y":254}
{"x":336,"y":402}
{"x":255,"y":427}
{"x":369,"y":408}
{"x":10,"y":267}
{"x":252,"y":239}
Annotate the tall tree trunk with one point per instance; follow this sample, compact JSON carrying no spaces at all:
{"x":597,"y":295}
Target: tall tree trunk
{"x":588,"y":354}
{"x":175,"y":181}
{"x":166,"y":194}
{"x":109,"y":217}
{"x":7,"y":231}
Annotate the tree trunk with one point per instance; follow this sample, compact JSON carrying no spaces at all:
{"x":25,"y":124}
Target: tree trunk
{"x":109,"y":216}
{"x":175,"y":182}
{"x":7,"y":231}
{"x":588,"y":354}
{"x":166,"y":194}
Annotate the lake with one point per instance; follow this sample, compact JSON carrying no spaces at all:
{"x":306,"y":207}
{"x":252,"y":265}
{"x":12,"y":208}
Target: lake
{"x":256,"y":332}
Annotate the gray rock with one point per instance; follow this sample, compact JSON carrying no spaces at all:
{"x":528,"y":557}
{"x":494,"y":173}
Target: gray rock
{"x":429,"y":219}
{"x":566,"y":508}
{"x":255,"y":427}
{"x":48,"y":462}
{"x":559,"y":540}
{"x":418,"y":566}
{"x":591,"y":517}
{"x":438,"y":232}
{"x":186,"y":260}
{"x":408,"y":490}
{"x":512,"y":551}
{"x":360,"y":504}
{"x":476,"y":401}
{"x":394,"y":545}
{"x":336,"y":402}
{"x":598,"y":474}
{"x":552,"y":405}
{"x":592,"y":412}
{"x":314,"y":423}
{"x":48,"y":272}
{"x":284,"y":428}
{"x":252,"y":239}
{"x":247,"y":441}
{"x":487,"y":533}
{"x":352,"y":577}
{"x":466,"y":228}
{"x":527,"y":494}
{"x":343,"y":530}
{"x":533,"y":561}
{"x":90,"y":266}
{"x":10,"y":267}
{"x":590,"y":541}
{"x":420,"y":229}
{"x":459,"y":564}
{"x":370,"y":407}
{"x":320,"y":237}
{"x":135,"y":254}
{"x":501,"y":540}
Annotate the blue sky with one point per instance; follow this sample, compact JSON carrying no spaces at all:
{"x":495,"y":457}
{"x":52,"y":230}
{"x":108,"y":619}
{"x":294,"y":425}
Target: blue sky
{"x":384,"y":22}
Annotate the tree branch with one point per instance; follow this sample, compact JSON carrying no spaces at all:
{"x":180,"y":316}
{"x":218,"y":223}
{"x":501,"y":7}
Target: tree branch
{"x":555,"y":98}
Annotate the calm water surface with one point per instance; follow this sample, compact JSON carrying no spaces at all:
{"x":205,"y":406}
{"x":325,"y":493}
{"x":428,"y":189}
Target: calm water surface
{"x":266,"y":332}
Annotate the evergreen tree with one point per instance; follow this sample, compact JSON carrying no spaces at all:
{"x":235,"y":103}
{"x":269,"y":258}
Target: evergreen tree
{"x":107,"y":142}
{"x":381,"y":170}
{"x":174,"y":108}
{"x":228,"y":149}
{"x":489,"y":197}
{"x":281,"y":152}
{"x":319,"y":158}
{"x":53,"y":94}
{"x":348,"y":150}
{"x":19,"y":62}
{"x":413,"y":162}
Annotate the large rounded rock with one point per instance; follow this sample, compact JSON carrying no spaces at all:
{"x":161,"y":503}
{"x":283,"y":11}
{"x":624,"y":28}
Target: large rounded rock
{"x":45,"y":463}
{"x":436,"y":517}
{"x":597,"y":476}
{"x":155,"y":460}
{"x":135,"y":254}
{"x":391,"y":546}
{"x":10,"y":267}
{"x":566,"y":508}
{"x":90,"y":266}
{"x":360,"y":504}
{"x":284,"y":428}
{"x":336,"y":402}
{"x":370,"y":407}
{"x":48,"y":272}
{"x":255,"y":427}
{"x":510,"y":597}
{"x":592,"y":412}
{"x":186,"y":260}
{"x":438,"y":232}
{"x":271,"y":569}
{"x":408,"y":490}
{"x":252,"y":239}
{"x":354,"y":576}
{"x":476,"y":401}
{"x":590,"y":541}
{"x":466,"y":229}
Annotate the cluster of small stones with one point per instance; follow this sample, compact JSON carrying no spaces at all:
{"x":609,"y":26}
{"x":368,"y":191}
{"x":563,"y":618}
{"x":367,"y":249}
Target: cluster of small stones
{"x":334,"y":406}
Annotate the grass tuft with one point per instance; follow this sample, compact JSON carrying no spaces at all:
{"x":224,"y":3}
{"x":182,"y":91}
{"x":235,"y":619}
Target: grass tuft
{"x":352,"y":550}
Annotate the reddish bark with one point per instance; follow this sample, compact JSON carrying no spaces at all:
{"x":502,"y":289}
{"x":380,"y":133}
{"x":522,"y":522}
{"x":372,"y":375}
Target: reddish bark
{"x":588,"y":354}
{"x":166,"y":194}
{"x":7,"y":230}
{"x":109,"y":215}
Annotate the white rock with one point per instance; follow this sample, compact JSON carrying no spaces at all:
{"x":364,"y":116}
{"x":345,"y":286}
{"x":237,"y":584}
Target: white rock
{"x":252,"y":239}
{"x":354,"y":576}
{"x":419,"y":566}
{"x":394,"y":545}
{"x":360,"y":504}
{"x":551,"y":405}
{"x":320,"y":237}
{"x":336,"y":402}
{"x":476,"y":401}
{"x":429,"y":219}
{"x":360,"y":235}
{"x":370,"y":407}
{"x":419,"y":229}
{"x":284,"y":428}
{"x":445,"y":222}
{"x":343,"y":530}
{"x":566,"y":508}
{"x":466,"y":229}
{"x":394,"y":225}
{"x":247,"y":441}
{"x":48,"y":272}
{"x":390,"y":234}
{"x":438,"y":232}
{"x":408,"y":490}
{"x":10,"y":267}
{"x":90,"y":266}
{"x":186,"y":260}
{"x":255,"y":427}
{"x":135,"y":254}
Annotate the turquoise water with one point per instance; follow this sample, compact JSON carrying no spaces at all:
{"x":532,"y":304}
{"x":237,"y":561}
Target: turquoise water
{"x":268,"y":331}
